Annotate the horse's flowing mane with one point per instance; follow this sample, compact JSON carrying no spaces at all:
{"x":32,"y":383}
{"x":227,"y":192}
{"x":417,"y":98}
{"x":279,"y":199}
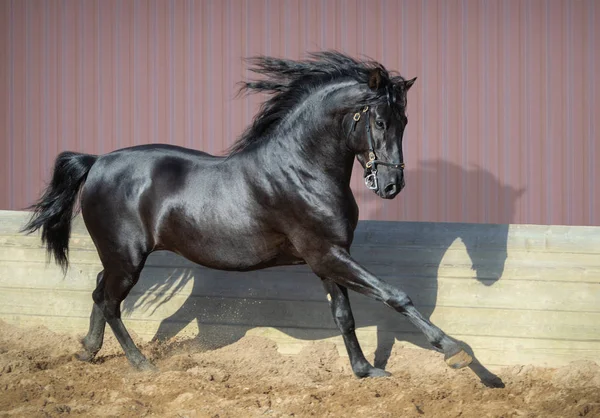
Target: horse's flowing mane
{"x":290,"y":82}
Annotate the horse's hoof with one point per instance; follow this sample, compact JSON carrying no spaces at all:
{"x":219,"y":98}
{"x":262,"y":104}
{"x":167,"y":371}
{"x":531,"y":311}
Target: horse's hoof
{"x":85,"y":356}
{"x":493,"y":382}
{"x":146,"y":366}
{"x":459,"y":360}
{"x":373,"y":372}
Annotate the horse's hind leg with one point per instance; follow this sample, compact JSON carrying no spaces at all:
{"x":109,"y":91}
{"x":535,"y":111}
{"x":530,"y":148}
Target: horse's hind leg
{"x":122,"y":263}
{"x":342,"y":315}
{"x":116,"y":287}
{"x":92,"y":342}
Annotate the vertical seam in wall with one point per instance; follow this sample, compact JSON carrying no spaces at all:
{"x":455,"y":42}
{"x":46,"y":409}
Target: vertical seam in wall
{"x":267,"y":17}
{"x":134,"y":70}
{"x":305,"y":3}
{"x":45,"y":106}
{"x":171,"y":84}
{"x":117,"y":76}
{"x":548,"y":134}
{"x":209,"y":72}
{"x":155,"y":84}
{"x":343,"y":30}
{"x":203,"y":70}
{"x":286,"y":20}
{"x":527,"y":107}
{"x":228,"y":61}
{"x":445,"y":137}
{"x":11,"y":104}
{"x":484,"y":150}
{"x":382,"y":32}
{"x":323,"y":20}
{"x":246,"y":70}
{"x":518,"y":146}
{"x":63,"y":79}
{"x":507,"y":97}
{"x":190,"y":76}
{"x":464,"y":88}
{"x":99,"y":82}
{"x":403,"y":69}
{"x":26,"y":100}
{"x":569,"y":158}
{"x":364,"y":28}
{"x":403,"y":36}
{"x":424,"y":210}
{"x":591,"y":99}
{"x":80,"y":83}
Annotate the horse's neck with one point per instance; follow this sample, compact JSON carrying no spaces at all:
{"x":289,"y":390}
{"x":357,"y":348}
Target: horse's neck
{"x":312,"y":135}
{"x":315,"y":148}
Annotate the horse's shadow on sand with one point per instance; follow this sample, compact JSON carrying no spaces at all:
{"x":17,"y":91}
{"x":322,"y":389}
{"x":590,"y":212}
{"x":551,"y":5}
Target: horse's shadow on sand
{"x":225,"y":305}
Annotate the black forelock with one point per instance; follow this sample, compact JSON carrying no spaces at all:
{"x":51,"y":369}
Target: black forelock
{"x":290,"y":81}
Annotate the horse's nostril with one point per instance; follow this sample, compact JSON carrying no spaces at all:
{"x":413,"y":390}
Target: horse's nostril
{"x":390,"y":189}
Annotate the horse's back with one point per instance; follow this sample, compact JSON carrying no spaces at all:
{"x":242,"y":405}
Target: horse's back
{"x":164,"y":150}
{"x":133,"y":187}
{"x":171,"y":198}
{"x":128,"y":172}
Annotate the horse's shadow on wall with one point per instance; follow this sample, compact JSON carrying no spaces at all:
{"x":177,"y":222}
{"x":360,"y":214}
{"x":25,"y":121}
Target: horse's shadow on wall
{"x":225,"y":305}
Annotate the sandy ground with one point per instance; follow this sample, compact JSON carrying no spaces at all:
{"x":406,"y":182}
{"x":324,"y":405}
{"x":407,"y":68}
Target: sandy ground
{"x":40,"y":378}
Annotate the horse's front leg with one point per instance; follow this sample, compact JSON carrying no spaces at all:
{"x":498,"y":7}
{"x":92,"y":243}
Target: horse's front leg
{"x":342,"y":315}
{"x":337,"y":265}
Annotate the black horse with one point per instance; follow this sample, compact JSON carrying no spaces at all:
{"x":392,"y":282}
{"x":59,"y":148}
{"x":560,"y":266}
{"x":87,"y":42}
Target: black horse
{"x":281,"y":196}
{"x":278,"y":298}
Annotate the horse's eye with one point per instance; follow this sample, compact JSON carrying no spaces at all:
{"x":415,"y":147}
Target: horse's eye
{"x":379,"y":124}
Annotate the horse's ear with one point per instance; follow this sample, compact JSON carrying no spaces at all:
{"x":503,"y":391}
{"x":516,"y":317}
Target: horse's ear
{"x":375,"y":78}
{"x":408,"y":83}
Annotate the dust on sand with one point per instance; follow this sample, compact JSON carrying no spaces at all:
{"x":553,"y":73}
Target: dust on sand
{"x":39,"y":378}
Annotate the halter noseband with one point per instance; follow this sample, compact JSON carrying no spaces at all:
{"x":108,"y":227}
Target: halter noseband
{"x":371,"y":165}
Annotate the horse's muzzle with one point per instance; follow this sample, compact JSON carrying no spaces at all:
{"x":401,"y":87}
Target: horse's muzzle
{"x":391,"y":190}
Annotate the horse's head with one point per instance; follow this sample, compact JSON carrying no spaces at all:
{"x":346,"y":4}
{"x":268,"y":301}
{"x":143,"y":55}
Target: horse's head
{"x":359,"y":105}
{"x":377,"y":130}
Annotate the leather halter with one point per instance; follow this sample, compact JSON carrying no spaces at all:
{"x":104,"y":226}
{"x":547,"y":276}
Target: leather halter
{"x":371,"y":165}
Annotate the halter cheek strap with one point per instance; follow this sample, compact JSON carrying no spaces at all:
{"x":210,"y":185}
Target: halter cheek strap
{"x":371,"y":165}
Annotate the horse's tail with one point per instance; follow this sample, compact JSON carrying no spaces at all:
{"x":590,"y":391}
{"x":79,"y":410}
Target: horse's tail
{"x":54,"y":210}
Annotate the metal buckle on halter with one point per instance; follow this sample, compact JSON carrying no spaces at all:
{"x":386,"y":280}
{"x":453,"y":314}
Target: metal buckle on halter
{"x":371,"y":159}
{"x":371,"y":180}
{"x":356,"y":117}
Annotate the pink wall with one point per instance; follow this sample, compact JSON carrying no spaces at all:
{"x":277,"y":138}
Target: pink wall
{"x":503,"y":118}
